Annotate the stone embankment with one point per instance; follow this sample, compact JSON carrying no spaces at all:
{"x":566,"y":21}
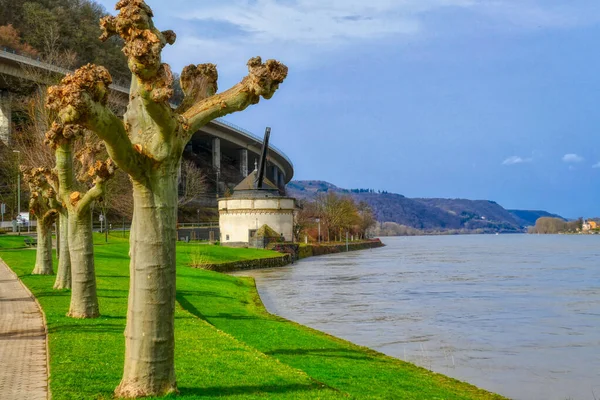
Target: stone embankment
{"x":243,"y":265}
{"x":292,"y":252}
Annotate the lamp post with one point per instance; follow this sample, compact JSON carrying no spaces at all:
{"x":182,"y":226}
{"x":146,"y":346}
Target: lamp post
{"x":18,"y":190}
{"x":319,"y":235}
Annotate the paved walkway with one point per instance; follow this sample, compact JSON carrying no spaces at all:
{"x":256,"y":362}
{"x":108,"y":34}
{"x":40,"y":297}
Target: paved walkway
{"x":23,"y":367}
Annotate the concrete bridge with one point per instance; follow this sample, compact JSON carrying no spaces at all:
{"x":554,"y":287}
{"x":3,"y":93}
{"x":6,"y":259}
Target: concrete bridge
{"x":220,"y":144}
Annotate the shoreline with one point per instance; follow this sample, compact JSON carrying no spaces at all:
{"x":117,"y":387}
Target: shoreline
{"x":291,"y":253}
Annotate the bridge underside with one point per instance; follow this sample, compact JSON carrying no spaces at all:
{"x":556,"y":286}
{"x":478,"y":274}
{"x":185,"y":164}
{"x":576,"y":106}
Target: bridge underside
{"x":225,"y":153}
{"x":226,"y":163}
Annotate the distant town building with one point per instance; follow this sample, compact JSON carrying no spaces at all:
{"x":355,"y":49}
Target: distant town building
{"x":589,"y":225}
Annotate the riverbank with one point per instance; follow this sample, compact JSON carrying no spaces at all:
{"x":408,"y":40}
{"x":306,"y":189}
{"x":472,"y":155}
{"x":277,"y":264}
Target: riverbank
{"x":490,"y":310}
{"x":275,"y":259}
{"x":227,"y":344}
{"x":311,"y":250}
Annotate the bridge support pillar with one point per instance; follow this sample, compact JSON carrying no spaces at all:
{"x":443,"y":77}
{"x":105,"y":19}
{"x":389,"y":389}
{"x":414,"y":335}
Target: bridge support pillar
{"x":274,"y":176}
{"x":216,"y":153}
{"x":244,"y":162}
{"x":281,"y":179}
{"x":5,"y":118}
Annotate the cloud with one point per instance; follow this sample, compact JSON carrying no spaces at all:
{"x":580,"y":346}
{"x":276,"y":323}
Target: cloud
{"x":327,"y":21}
{"x":305,"y":32}
{"x":597,"y":165}
{"x":572,"y":158}
{"x":516,"y":160}
{"x":322,"y":21}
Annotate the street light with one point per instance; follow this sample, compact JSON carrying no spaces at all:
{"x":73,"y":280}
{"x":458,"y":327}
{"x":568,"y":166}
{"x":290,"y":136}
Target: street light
{"x":318,"y":220}
{"x":18,"y":190}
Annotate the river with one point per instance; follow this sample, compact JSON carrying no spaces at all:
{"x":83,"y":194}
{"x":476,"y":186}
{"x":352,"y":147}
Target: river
{"x":515,"y":314}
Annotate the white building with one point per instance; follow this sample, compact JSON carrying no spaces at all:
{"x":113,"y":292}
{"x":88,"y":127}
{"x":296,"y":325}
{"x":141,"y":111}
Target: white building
{"x":248,"y":209}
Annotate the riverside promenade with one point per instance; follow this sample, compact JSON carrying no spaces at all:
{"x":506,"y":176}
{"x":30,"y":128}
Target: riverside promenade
{"x":23,"y":355}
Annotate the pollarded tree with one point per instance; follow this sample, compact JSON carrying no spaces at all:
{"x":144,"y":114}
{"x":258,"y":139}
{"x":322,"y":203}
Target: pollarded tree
{"x":43,"y":205}
{"x":84,"y":300}
{"x":148,"y":145}
{"x":33,"y":153}
{"x":63,"y":272}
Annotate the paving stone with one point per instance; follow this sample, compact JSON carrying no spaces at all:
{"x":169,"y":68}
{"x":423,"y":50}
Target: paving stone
{"x":23,"y":358}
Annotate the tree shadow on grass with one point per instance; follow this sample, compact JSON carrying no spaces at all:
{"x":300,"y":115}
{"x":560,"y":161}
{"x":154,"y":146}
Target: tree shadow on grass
{"x":85,"y":328}
{"x":328,"y":353}
{"x":202,"y":275}
{"x":54,"y":293}
{"x":112,"y":293}
{"x":111,"y":317}
{"x":189,"y":307}
{"x":232,"y":316}
{"x":203,"y":293}
{"x":219,"y":391}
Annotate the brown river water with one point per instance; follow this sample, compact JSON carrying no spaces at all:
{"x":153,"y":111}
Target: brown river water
{"x":515,"y":314}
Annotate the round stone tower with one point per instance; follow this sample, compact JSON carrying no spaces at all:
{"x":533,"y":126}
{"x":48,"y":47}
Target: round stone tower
{"x":250,"y":207}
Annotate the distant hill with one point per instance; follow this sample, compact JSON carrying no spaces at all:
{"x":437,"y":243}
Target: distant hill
{"x":426,"y":214}
{"x":528,"y":217}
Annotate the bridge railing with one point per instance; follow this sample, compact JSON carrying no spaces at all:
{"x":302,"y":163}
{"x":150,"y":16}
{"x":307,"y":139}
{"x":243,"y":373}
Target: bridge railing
{"x":27,"y":59}
{"x":22,"y":58}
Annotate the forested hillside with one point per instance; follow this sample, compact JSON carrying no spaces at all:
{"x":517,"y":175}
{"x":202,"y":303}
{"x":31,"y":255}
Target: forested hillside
{"x":427,"y":215}
{"x":61,"y":26}
{"x":529,"y":217}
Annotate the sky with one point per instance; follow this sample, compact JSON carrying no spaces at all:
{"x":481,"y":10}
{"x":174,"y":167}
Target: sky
{"x":477,"y":99}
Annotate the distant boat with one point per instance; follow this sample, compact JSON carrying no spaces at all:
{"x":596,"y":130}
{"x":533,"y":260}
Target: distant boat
{"x":497,"y":233}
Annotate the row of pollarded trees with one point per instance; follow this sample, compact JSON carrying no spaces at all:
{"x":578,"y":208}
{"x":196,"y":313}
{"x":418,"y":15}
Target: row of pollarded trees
{"x":147,"y":145}
{"x":337,"y":215}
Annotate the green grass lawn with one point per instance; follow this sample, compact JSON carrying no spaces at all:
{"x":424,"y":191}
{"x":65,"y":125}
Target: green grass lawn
{"x":12,"y":242}
{"x":205,"y":253}
{"x":227,"y":345}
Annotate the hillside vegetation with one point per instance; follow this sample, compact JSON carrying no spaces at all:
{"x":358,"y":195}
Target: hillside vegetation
{"x":426,"y":215}
{"x":60,"y":27}
{"x":529,"y":217}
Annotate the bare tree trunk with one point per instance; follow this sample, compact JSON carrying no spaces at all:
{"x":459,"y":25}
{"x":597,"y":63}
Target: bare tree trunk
{"x":43,"y":257}
{"x":148,"y":145}
{"x":63,"y":274}
{"x":84,"y":301}
{"x":149,"y":335}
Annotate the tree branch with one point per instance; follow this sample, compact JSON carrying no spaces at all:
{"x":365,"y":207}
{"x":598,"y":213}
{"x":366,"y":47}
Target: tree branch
{"x":64,"y":168}
{"x":91,"y":195}
{"x":43,"y":194}
{"x":80,"y":101}
{"x":143,"y":48}
{"x":110,"y":128}
{"x":165,"y":119}
{"x":102,"y":172}
{"x":49,"y":217}
{"x":197,"y":82}
{"x":262,"y":81}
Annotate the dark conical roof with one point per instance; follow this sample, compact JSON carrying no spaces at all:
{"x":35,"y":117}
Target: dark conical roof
{"x":248,"y":183}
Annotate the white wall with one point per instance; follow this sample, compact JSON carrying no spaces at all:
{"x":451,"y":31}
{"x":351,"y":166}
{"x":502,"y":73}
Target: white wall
{"x":238,"y":216}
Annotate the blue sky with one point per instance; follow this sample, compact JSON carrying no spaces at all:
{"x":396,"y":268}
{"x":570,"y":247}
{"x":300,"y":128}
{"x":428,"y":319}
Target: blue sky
{"x":478,"y":99}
